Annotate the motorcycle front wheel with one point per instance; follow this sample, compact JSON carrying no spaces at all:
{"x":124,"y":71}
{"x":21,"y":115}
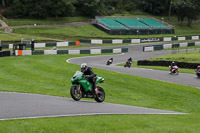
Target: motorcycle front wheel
{"x":100,"y":96}
{"x":75,"y":93}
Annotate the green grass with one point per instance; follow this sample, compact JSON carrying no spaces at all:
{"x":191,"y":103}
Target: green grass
{"x":106,"y":124}
{"x":90,"y":32}
{"x":17,"y":37}
{"x":50,"y":75}
{"x":64,"y":32}
{"x":185,"y":30}
{"x":189,"y":56}
{"x":17,"y":22}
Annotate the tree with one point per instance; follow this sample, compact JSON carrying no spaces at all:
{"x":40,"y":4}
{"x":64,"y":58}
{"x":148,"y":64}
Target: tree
{"x":155,"y":6}
{"x":62,"y":7}
{"x":42,"y":8}
{"x":3,"y":3}
{"x":90,"y":7}
{"x":188,"y":9}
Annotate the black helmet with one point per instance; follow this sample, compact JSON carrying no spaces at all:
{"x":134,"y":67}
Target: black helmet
{"x":83,"y":67}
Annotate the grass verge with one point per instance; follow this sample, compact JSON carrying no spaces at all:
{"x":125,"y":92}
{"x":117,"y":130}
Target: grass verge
{"x":187,"y":56}
{"x":90,"y":32}
{"x":50,"y":74}
{"x":107,"y":123}
{"x":18,"y":22}
{"x":17,"y":37}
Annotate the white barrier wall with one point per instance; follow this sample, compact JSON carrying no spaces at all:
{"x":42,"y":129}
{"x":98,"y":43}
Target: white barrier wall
{"x":74,"y":51}
{"x":148,"y":48}
{"x":117,"y":41}
{"x":46,"y":52}
{"x":185,"y":44}
{"x":135,"y":40}
{"x":119,"y":50}
{"x":97,"y":41}
{"x":195,"y":37}
{"x":62,"y":43}
{"x":16,"y":52}
{"x":197,"y":43}
{"x":40,"y":45}
{"x":95,"y":51}
{"x":167,"y":39}
{"x":166,"y":46}
{"x":26,"y":52}
{"x":10,"y":45}
{"x":181,"y":38}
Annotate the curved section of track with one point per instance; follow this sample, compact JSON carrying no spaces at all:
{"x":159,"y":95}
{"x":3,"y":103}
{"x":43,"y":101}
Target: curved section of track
{"x":23,"y":105}
{"x":137,"y":54}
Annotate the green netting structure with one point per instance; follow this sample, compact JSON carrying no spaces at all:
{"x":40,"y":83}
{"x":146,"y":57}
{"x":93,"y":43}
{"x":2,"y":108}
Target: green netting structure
{"x":132,"y":23}
{"x":111,"y":23}
{"x":153,"y":23}
{"x":132,"y":26}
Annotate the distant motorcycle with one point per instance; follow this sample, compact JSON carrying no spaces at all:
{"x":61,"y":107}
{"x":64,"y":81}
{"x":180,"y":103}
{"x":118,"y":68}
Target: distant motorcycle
{"x":197,"y":72}
{"x":110,"y":61}
{"x":173,"y":70}
{"x":128,"y":64}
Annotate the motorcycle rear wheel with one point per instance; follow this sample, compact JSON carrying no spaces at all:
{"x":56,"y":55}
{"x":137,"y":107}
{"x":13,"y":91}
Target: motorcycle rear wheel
{"x":100,"y":96}
{"x":177,"y":72}
{"x":75,"y":94}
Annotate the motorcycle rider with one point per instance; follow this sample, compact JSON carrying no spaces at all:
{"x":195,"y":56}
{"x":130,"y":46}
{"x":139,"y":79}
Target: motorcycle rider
{"x":172,"y":66}
{"x":89,"y":74}
{"x":198,"y":67}
{"x":110,"y":60}
{"x":130,"y":59}
{"x":129,"y":62}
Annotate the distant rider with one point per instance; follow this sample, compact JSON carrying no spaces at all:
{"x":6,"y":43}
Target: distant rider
{"x":88,"y":73}
{"x":198,"y":68}
{"x":130,"y":60}
{"x":172,"y":65}
{"x":111,"y":60}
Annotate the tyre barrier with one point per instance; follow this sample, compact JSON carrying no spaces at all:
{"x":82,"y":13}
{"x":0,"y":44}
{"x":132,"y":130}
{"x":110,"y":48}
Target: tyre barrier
{"x":86,"y":51}
{"x":42,"y":45}
{"x":167,"y":63}
{"x":170,"y":45}
{"x":159,"y":39}
{"x":4,"y":53}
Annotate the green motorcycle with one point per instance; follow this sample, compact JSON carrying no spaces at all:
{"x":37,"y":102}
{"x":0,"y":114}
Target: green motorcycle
{"x":81,"y":88}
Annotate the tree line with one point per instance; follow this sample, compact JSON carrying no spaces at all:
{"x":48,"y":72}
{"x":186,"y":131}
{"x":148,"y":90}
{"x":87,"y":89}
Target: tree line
{"x":183,"y":9}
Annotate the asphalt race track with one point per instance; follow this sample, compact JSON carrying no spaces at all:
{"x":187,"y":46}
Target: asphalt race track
{"x":24,"y":105}
{"x":137,"y":54}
